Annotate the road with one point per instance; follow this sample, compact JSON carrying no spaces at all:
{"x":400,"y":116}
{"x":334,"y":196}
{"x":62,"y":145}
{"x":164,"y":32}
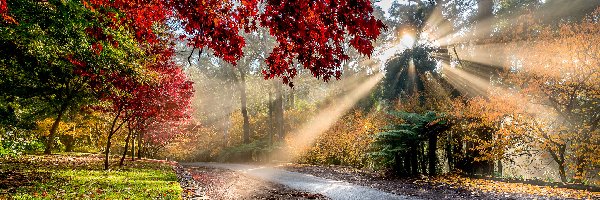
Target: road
{"x":330,"y":188}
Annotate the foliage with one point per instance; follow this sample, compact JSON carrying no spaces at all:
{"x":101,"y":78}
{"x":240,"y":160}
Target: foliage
{"x":320,"y":26}
{"x":245,"y":152}
{"x":15,"y":143}
{"x":558,"y":69}
{"x":346,"y":142}
{"x":492,"y":129}
{"x":501,"y":187}
{"x":198,"y":143}
{"x":400,"y":147}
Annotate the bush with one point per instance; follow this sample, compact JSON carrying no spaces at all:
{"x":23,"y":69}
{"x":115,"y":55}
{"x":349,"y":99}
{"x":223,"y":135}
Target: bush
{"x":245,"y":152}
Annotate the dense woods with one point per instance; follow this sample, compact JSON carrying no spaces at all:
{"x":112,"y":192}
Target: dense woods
{"x":496,"y":99}
{"x":496,"y":88}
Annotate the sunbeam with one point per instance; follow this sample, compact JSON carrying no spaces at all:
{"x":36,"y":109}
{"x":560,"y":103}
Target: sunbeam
{"x":484,"y":28}
{"x":465,"y":82}
{"x":303,"y":137}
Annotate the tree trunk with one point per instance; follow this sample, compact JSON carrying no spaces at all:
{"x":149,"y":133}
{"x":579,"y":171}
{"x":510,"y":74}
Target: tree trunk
{"x":559,"y":158}
{"x":272,"y":124}
{"x":485,"y":9}
{"x":406,"y":168}
{"x":279,"y":110}
{"x":499,"y":174}
{"x":414,"y":163}
{"x":107,"y":151}
{"x":132,"y":139}
{"x":125,"y":149}
{"x":243,"y":98}
{"x":449,"y":155}
{"x":68,"y":141}
{"x":113,"y":130}
{"x":421,"y":155}
{"x":50,"y":138}
{"x":292,"y":99}
{"x":139,"y":153}
{"x":562,"y":172}
{"x":431,"y":153}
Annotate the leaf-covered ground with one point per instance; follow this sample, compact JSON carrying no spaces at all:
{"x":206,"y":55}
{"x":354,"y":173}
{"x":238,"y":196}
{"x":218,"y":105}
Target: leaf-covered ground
{"x":80,"y":176}
{"x":228,"y":184}
{"x":443,"y":187}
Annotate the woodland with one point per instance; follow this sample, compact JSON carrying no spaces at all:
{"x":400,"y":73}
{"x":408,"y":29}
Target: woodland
{"x":505,"y":90}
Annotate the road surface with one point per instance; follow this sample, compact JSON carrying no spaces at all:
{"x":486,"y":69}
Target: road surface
{"x":330,"y":188}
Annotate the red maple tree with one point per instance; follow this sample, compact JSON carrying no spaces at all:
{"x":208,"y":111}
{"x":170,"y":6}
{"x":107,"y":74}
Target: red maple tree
{"x":309,"y":32}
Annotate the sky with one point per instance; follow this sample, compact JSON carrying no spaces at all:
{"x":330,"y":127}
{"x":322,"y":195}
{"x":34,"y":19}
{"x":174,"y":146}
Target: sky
{"x":386,"y":4}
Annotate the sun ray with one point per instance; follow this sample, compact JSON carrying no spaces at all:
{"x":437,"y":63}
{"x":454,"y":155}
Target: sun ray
{"x":306,"y":135}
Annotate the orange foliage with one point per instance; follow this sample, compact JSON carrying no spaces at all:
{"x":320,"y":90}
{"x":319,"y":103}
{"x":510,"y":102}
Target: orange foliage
{"x":513,"y":188}
{"x":492,"y":126}
{"x":558,"y":69}
{"x":347,"y":141}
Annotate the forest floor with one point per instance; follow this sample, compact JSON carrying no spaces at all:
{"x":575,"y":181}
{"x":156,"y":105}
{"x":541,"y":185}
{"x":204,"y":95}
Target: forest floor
{"x":442,"y":187}
{"x":80,"y":176}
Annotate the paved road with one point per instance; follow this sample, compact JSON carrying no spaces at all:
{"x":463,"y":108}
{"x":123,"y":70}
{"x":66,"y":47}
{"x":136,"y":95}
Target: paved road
{"x":330,"y":188}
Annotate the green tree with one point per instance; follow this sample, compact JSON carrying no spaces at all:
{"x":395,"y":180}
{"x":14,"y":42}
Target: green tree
{"x":401,"y":146}
{"x":46,"y":53}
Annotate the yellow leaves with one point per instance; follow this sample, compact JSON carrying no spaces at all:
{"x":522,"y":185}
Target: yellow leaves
{"x":77,"y":126}
{"x":64,"y":128}
{"x":499,"y":187}
{"x":346,"y":142}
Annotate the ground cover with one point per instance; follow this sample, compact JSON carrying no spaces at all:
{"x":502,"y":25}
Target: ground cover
{"x":80,"y":176}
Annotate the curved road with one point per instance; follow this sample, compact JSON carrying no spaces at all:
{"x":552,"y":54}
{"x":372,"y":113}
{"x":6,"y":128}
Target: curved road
{"x":330,"y":188}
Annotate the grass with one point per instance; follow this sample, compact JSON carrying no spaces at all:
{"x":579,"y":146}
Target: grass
{"x":82,"y":177}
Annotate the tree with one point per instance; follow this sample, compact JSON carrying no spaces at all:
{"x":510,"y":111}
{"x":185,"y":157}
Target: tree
{"x":311,"y":32}
{"x":558,"y":69}
{"x":43,"y":60}
{"x":400,"y":145}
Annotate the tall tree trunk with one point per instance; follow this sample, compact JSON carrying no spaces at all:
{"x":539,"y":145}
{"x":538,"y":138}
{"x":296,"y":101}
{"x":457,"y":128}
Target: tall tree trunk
{"x":279,"y":110}
{"x":243,"y":98}
{"x":485,"y":9}
{"x":423,"y":159}
{"x":449,"y":153}
{"x":107,"y":151}
{"x":559,"y":157}
{"x":431,"y":153}
{"x":139,"y":153}
{"x":562,"y":172}
{"x":125,"y":148}
{"x":484,"y":21}
{"x":271,"y":122}
{"x":68,"y":141}
{"x":499,"y":174}
{"x":292,"y":99}
{"x":414,"y":164}
{"x":113,"y":130}
{"x":132,"y":147}
{"x":50,"y":138}
{"x":406,"y":168}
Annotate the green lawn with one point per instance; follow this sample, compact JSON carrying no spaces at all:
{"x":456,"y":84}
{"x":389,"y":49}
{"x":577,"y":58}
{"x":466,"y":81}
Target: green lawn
{"x":81,"y":177}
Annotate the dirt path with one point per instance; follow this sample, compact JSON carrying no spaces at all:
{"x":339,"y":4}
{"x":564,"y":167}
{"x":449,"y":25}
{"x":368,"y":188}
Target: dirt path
{"x":442,"y":187}
{"x":219,"y":183}
{"x":296,"y":181}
